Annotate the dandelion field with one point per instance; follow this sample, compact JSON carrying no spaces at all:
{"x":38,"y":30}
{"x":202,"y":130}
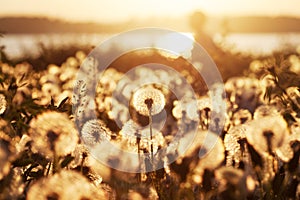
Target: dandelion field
{"x":43,"y":154}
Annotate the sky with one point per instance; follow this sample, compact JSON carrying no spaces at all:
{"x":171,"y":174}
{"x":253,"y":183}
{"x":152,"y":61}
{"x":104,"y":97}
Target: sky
{"x":124,"y":10}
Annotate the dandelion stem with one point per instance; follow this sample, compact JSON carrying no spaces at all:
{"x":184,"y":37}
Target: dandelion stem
{"x":138,"y":141}
{"x":56,"y":167}
{"x":206,"y":116}
{"x":149,"y":103}
{"x":150,"y":126}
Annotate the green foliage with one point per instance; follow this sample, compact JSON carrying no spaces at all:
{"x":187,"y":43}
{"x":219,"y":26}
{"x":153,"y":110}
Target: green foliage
{"x":283,"y":79}
{"x":20,"y":110}
{"x":50,"y":55}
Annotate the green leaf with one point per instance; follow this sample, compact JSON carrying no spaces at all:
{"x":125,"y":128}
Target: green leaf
{"x":23,"y":160}
{"x":68,"y":159}
{"x":268,"y":93}
{"x":62,"y":103}
{"x":41,"y":160}
{"x":288,"y":117}
{"x":288,"y":79}
{"x":36,"y":175}
{"x":22,"y":77}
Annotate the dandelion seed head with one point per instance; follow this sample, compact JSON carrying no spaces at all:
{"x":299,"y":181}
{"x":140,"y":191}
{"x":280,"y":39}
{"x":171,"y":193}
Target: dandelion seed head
{"x":53,"y":131}
{"x":94,"y":132}
{"x":65,"y":185}
{"x":148,"y":98}
{"x":266,"y":133}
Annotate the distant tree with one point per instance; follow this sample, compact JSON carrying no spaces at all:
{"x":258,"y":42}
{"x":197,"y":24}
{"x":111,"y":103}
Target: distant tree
{"x":3,"y":56}
{"x":197,"y":22}
{"x":225,"y":27}
{"x":226,"y":61}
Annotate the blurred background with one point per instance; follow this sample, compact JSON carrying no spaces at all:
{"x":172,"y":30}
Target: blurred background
{"x":256,"y":47}
{"x":253,"y":27}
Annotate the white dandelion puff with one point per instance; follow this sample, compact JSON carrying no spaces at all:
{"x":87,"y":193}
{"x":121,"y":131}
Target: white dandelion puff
{"x":65,"y":185}
{"x":266,"y":134}
{"x":53,"y":132}
{"x":148,"y":98}
{"x":94,"y":131}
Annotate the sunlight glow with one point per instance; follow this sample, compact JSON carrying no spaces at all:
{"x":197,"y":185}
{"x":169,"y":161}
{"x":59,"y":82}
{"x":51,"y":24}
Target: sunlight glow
{"x":170,"y":41}
{"x":117,"y":10}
